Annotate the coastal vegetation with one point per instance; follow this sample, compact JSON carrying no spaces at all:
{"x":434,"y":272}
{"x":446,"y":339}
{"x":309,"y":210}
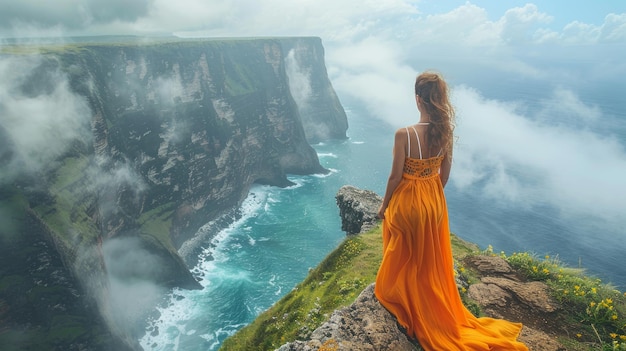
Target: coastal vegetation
{"x":592,"y":314}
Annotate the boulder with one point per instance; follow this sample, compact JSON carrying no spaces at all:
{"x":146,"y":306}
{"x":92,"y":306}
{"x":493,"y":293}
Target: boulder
{"x":358,"y":209}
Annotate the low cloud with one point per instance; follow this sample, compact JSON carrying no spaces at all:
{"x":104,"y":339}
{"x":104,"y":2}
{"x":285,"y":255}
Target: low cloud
{"x":373,"y":71}
{"x":133,"y":294}
{"x":299,"y":80}
{"x":117,"y":184}
{"x":71,"y":14}
{"x":532,"y":162}
{"x":40,"y":116}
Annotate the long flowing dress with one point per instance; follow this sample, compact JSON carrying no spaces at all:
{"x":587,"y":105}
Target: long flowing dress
{"x":416,"y":282}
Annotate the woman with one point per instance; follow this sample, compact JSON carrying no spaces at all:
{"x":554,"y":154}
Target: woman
{"x":415,"y":281}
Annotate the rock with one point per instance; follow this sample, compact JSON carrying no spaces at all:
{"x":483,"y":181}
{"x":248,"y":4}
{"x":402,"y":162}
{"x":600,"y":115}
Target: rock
{"x":502,"y":294}
{"x":491,"y":265}
{"x":358,"y":209}
{"x":364,"y":325}
{"x":500,"y":286}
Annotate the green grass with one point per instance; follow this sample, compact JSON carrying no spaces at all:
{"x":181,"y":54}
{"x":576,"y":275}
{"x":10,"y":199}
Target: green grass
{"x":335,"y":283}
{"x":68,"y":214}
{"x":158,"y":222}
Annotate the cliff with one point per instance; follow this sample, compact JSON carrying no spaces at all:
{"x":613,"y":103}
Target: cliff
{"x":114,"y":156}
{"x":335,"y":308}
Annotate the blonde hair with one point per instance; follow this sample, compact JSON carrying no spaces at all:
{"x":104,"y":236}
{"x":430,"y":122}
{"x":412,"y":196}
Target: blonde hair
{"x":433,"y":91}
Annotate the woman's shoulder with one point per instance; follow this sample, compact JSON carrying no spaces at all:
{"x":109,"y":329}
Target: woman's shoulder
{"x":401,"y":132}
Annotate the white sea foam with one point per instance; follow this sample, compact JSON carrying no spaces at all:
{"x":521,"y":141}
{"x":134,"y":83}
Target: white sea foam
{"x":251,"y":240}
{"x":272,"y":283}
{"x":326,"y":154}
{"x":330,"y":173}
{"x":184,"y":306}
{"x":298,"y":181}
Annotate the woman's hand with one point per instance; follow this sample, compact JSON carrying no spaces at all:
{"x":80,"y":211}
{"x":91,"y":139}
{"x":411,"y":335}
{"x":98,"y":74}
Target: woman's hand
{"x":381,"y":212}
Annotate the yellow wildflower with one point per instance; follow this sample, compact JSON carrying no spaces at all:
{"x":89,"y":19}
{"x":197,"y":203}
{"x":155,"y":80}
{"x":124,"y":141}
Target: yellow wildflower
{"x":592,"y":304}
{"x":594,"y":290}
{"x":579,"y":335}
{"x":613,"y":335}
{"x":622,"y":337}
{"x":614,"y":317}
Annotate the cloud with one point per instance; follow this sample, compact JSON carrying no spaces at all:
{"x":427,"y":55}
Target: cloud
{"x":467,"y":25}
{"x":519,"y":23}
{"x":132,"y":293}
{"x":370,"y":71}
{"x":117,"y":184}
{"x":299,"y":80}
{"x":70,"y":14}
{"x":529,"y":162}
{"x":614,"y":28}
{"x":611,"y":31}
{"x":39,"y":116}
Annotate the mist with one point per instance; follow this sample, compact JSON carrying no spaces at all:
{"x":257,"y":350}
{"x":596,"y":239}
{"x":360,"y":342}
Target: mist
{"x":524,"y":160}
{"x":132,"y":293}
{"x":40,"y":116}
{"x":299,"y":81}
{"x":41,"y":121}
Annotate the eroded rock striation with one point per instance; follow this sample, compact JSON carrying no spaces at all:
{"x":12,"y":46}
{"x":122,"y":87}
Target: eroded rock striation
{"x":116,"y":154}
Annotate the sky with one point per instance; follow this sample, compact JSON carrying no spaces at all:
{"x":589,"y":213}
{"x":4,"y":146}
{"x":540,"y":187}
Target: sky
{"x":487,"y":49}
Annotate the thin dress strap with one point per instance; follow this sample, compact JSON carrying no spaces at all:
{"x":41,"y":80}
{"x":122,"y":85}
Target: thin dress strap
{"x":419,"y":144}
{"x":408,"y":137}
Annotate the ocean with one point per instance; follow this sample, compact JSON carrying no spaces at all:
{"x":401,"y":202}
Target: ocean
{"x":282,"y":233}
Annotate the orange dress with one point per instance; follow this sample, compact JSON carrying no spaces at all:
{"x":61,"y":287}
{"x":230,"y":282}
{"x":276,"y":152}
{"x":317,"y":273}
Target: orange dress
{"x":416,"y":282}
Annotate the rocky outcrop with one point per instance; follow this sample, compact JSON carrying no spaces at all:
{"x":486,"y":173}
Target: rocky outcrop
{"x":364,"y":325}
{"x":358,"y":208}
{"x":500,"y":289}
{"x":121,"y":152}
{"x":367,"y":325}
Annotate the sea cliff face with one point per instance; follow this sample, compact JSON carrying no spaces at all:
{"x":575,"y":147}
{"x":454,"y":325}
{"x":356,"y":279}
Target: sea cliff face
{"x":159,"y":139}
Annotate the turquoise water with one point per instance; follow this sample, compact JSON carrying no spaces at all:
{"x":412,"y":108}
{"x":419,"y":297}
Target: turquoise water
{"x":282,"y":233}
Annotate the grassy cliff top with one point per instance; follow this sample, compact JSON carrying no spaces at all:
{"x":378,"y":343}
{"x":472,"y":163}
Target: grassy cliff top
{"x":593,"y":313}
{"x":51,"y":45}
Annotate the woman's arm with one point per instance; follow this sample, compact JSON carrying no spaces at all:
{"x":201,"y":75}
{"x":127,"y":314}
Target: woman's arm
{"x":446,"y":165}
{"x":397,"y":165}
